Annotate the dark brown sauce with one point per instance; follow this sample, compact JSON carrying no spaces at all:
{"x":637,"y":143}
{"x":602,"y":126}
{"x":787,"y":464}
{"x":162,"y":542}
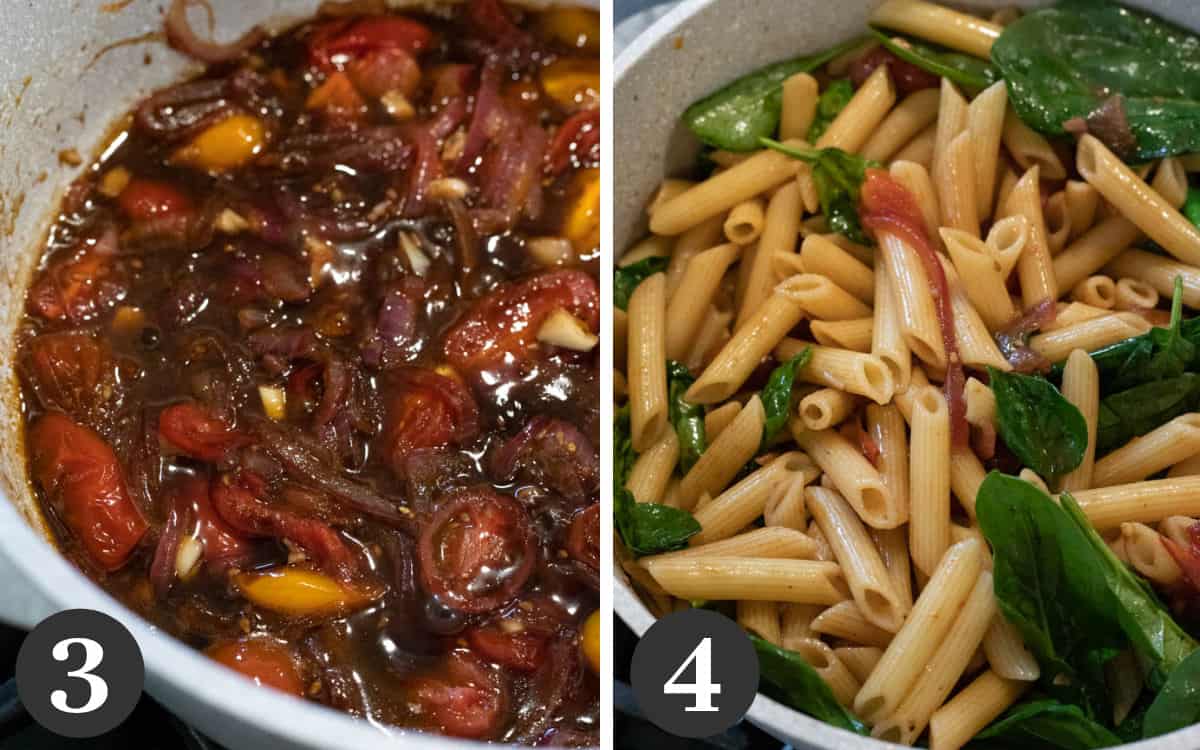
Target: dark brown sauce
{"x":189,"y":313}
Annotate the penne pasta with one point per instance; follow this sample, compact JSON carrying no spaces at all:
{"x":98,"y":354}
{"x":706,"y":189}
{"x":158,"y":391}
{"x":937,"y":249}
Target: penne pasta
{"x":779,"y":236}
{"x":985,"y":123}
{"x":1146,"y":502}
{"x":726,"y":455}
{"x":1030,"y":149}
{"x":732,"y":510}
{"x":946,"y":27}
{"x":798,"y":106}
{"x":861,"y":116}
{"x":929,"y":480}
{"x":652,"y":471}
{"x":1149,"y":454}
{"x":1088,"y":335}
{"x":853,"y":372}
{"x":826,"y":408}
{"x":1006,"y":652}
{"x":1081,"y":386}
{"x":911,"y":116}
{"x":852,"y":474}
{"x":845,"y":620}
{"x":694,"y":295}
{"x":854,"y":335}
{"x":820,"y":256}
{"x":1131,"y":294}
{"x":647,"y":362}
{"x":976,"y":706}
{"x":1158,"y":272}
{"x":750,"y":579}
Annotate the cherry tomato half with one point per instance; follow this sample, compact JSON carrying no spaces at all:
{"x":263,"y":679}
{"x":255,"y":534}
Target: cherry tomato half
{"x":505,"y":323}
{"x":462,"y":697}
{"x":82,"y":479}
{"x":583,"y":538}
{"x":144,"y":199}
{"x":188,"y":427}
{"x":266,"y":662}
{"x":339,"y":42}
{"x":427,"y":410}
{"x":477,"y":551}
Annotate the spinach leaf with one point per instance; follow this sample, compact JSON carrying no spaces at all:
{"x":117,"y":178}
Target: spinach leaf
{"x":798,"y":685}
{"x":650,"y":528}
{"x":1049,"y":724}
{"x":1191,"y":207}
{"x":777,"y":394}
{"x":1037,"y":423}
{"x":687,"y":418}
{"x":839,"y":177}
{"x":736,"y":116}
{"x":1046,"y":587}
{"x":1146,"y":622}
{"x":627,"y":278}
{"x":965,"y":70}
{"x":1178,"y":703}
{"x":1164,"y":352}
{"x":1138,"y":410}
{"x":645,"y":528}
{"x":1079,"y":57}
{"x":832,"y":101}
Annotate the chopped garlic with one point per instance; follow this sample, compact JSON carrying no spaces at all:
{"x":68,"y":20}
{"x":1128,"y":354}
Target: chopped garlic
{"x":417,"y":259}
{"x":448,"y":187}
{"x":320,"y":260}
{"x":397,"y":105}
{"x":564,"y":329}
{"x":187,"y":557}
{"x":114,"y":182}
{"x":452,"y":149}
{"x":274,"y":401}
{"x":231,"y":222}
{"x":550,"y":251}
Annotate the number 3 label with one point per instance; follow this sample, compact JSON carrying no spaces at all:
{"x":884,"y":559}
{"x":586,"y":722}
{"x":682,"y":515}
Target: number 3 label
{"x":703,"y":688}
{"x":80,"y":673}
{"x":93,"y":654}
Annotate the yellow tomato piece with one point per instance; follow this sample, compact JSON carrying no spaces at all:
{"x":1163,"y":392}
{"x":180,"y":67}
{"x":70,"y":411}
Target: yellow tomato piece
{"x":574,"y":27}
{"x":582,"y":222}
{"x":227,"y":145}
{"x":591,"y":641}
{"x":300,"y":592}
{"x":572,"y":82}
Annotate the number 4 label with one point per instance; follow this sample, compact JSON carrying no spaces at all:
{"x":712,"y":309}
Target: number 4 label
{"x":703,"y":688}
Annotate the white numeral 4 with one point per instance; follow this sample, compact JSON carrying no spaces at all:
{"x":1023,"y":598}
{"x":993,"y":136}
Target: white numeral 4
{"x":703,"y":688}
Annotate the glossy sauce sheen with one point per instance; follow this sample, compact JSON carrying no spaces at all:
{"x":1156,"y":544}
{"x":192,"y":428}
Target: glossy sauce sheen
{"x":412,"y":534}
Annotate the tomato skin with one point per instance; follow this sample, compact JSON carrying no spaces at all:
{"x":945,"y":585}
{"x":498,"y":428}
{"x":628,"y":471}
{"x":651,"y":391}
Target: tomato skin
{"x":238,"y":499}
{"x":583,"y":538}
{"x":908,"y":77}
{"x":476,"y":528}
{"x":265,"y":662}
{"x":384,"y":70}
{"x":78,"y":286}
{"x":521,"y":651}
{"x":338,"y":41}
{"x":83,"y":482}
{"x":73,"y":372}
{"x":462,"y":697}
{"x":144,"y":199}
{"x":504,"y":325}
{"x":427,"y":410}
{"x":579,"y":136}
{"x":196,"y":433}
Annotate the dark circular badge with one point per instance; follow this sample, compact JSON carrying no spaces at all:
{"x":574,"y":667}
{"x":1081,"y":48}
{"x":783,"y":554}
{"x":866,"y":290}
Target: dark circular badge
{"x":695,"y":673}
{"x":80,"y":673}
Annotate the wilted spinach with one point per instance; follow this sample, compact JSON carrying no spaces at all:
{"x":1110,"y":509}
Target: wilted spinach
{"x":839,"y":177}
{"x":777,"y":394}
{"x":627,"y":278}
{"x":1045,"y":430}
{"x":794,"y":682}
{"x":687,"y":418}
{"x":1079,"y":57}
{"x":645,"y":528}
{"x":736,"y":116}
{"x":1177,"y":705}
{"x":1049,"y":723}
{"x":965,"y":70}
{"x":832,"y":101}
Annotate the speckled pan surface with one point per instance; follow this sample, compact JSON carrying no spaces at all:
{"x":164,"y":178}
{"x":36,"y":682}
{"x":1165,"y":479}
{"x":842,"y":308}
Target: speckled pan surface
{"x":58,"y":91}
{"x":699,"y":46}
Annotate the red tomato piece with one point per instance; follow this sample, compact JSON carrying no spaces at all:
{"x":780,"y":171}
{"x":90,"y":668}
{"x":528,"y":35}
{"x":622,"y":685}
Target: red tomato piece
{"x":192,"y":430}
{"x":907,"y":77}
{"x":477,"y":551}
{"x":80,"y":285}
{"x":426,"y":410}
{"x":239,"y":501}
{"x":504,"y":325}
{"x":521,"y":650}
{"x":583,"y":538}
{"x":266,"y":662}
{"x":462,"y":697}
{"x":144,"y":199}
{"x":384,"y":70}
{"x":553,"y":452}
{"x":578,"y":137}
{"x":339,"y":42}
{"x":337,"y":98}
{"x":72,"y":372}
{"x":83,"y":482}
